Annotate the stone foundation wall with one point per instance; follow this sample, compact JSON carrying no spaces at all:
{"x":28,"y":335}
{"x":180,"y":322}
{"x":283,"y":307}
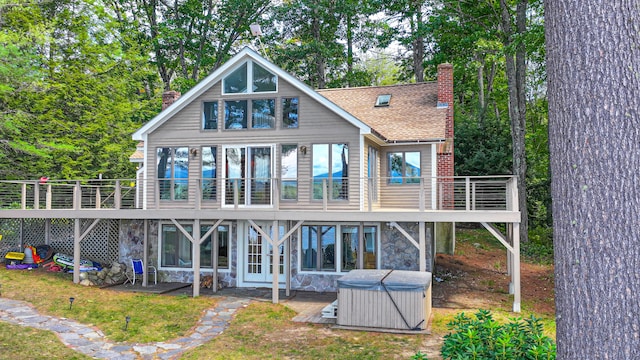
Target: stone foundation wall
{"x":109,"y":275}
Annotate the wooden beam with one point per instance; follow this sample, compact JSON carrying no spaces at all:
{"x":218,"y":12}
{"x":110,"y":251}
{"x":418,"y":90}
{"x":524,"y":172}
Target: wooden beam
{"x":76,"y":252}
{"x":422,"y":248}
{"x":183,"y":231}
{"x":261,"y":232}
{"x":145,"y":253}
{"x":498,"y":235}
{"x":406,"y":234}
{"x":275,"y":261}
{"x":516,"y":268}
{"x":195,"y":257}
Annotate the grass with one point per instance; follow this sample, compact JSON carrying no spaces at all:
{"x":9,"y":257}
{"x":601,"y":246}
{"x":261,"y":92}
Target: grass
{"x":153,"y":317}
{"x":18,"y":342}
{"x":265,"y":331}
{"x":260,"y":331}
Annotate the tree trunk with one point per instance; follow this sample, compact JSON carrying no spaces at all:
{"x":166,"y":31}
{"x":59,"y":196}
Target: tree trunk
{"x":515,"y":67}
{"x":418,"y":43}
{"x":594,"y":140}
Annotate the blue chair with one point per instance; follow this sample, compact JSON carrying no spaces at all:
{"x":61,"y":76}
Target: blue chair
{"x":138,"y":269}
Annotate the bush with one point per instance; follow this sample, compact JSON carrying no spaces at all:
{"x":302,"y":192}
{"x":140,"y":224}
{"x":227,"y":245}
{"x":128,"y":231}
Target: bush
{"x":540,"y":246}
{"x":484,"y":338}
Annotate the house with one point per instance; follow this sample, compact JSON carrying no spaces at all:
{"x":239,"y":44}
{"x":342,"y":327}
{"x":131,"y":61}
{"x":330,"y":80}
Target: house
{"x":252,"y":173}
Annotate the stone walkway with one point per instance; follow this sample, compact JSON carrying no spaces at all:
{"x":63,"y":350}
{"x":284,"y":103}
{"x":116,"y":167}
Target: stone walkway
{"x":91,"y":341}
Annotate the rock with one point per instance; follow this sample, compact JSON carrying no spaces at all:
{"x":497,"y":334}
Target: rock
{"x":84,"y":276}
{"x":102,"y":274}
{"x":86,"y":282}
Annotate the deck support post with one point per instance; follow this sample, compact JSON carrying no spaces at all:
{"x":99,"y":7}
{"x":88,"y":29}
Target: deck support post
{"x":145,"y":251}
{"x":515,"y":276}
{"x":275,"y":261}
{"x":76,"y":252}
{"x":422,"y":242}
{"x":195,"y":255}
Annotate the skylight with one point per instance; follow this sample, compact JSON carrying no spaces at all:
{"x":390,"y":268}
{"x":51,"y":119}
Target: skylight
{"x":383,"y":100}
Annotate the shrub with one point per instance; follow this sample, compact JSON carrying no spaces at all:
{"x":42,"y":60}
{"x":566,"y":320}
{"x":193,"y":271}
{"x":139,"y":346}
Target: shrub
{"x":540,"y":246}
{"x":484,"y":338}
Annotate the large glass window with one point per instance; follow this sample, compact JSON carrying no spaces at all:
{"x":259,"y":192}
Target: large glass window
{"x":252,"y":164}
{"x":236,"y":82}
{"x":206,"y":253}
{"x":259,"y":78}
{"x":263,"y":80}
{"x":331,"y":166}
{"x":173,"y":173}
{"x":176,"y":248}
{"x":404,"y":167}
{"x":235,"y":114}
{"x":318,"y":248}
{"x":289,"y":172}
{"x":372,"y":173}
{"x":209,"y":184}
{"x":354,"y":248}
{"x":290,"y":113}
{"x":210,"y":116}
{"x":263,"y":114}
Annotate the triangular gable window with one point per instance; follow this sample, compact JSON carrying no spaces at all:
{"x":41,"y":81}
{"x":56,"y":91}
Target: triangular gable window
{"x":261,"y":80}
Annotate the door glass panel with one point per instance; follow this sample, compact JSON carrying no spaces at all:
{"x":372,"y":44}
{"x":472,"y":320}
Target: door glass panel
{"x":349,"y":247}
{"x":254,"y":252}
{"x":260,"y":176}
{"x":181,"y":174}
{"x":209,"y":173}
{"x":328,"y":247}
{"x":235,"y":164}
{"x":369,"y":247}
{"x":289,"y":172}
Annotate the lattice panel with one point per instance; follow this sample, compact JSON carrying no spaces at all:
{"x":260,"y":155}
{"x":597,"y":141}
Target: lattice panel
{"x":33,"y":232}
{"x":10,"y":230}
{"x":61,"y":235}
{"x":101,"y":244}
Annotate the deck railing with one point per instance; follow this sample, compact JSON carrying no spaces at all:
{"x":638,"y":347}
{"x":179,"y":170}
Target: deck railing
{"x":450,"y":193}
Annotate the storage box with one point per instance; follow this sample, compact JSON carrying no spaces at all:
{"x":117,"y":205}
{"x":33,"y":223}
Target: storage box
{"x":14,"y":257}
{"x":387,"y":299}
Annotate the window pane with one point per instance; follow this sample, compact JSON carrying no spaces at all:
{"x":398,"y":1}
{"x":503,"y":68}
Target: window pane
{"x":169,"y":252}
{"x":340,"y":171}
{"x":206,"y":253}
{"x":263,"y":80}
{"x":309,"y":247}
{"x":164,"y":172}
{"x":223,"y":247}
{"x":210,"y":116}
{"x":412,"y":167}
{"x":236,"y":82}
{"x":320,"y":168}
{"x":328,"y":247}
{"x":263,"y":114}
{"x":289,"y":172}
{"x":209,"y":173}
{"x":176,"y":248}
{"x":290,"y":112}
{"x":235,"y":162}
{"x":260,"y":176}
{"x":181,"y":174}
{"x":370,"y":247}
{"x":372,"y":173}
{"x":395,"y":168}
{"x":235,"y":114}
{"x":349,"y":247}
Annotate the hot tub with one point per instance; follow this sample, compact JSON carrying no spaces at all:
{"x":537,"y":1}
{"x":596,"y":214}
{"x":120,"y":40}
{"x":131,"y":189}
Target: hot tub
{"x":385,"y":299}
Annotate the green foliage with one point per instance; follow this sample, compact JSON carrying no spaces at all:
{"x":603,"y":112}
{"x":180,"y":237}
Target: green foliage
{"x":540,"y":246}
{"x":481,"y":149}
{"x":481,"y":337}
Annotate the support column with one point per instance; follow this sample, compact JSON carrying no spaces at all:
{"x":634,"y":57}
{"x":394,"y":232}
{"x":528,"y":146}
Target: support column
{"x":76,"y":251}
{"x":287,"y":266}
{"x":275,"y":260}
{"x":195,"y":255}
{"x":516,"y":267}
{"x":422,"y":241}
{"x":145,"y":252}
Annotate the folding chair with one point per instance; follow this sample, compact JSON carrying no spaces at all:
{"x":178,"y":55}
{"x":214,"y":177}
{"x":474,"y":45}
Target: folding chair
{"x":137,"y":269}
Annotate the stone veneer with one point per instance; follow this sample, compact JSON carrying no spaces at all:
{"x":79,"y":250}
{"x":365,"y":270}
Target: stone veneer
{"x":399,"y":253}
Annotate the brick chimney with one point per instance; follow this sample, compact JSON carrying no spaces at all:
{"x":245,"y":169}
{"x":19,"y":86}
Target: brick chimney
{"x":445,"y":150}
{"x":169,"y":97}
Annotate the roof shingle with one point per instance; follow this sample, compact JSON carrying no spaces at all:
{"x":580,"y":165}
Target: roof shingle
{"x":412,"y":114}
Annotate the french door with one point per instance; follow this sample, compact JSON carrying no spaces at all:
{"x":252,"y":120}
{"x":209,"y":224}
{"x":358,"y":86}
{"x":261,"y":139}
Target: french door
{"x":259,"y":254}
{"x":248,"y":175}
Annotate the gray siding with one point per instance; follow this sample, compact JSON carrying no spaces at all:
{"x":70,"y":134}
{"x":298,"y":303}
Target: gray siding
{"x":317,"y":125}
{"x":405,"y":195}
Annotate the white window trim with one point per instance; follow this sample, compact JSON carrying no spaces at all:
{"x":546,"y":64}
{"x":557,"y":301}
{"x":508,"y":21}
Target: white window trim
{"x":338,"y":248}
{"x":223,"y":185}
{"x":202,"y":270}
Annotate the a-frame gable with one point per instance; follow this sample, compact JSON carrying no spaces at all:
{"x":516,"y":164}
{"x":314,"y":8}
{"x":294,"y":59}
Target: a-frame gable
{"x":217,"y":75}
